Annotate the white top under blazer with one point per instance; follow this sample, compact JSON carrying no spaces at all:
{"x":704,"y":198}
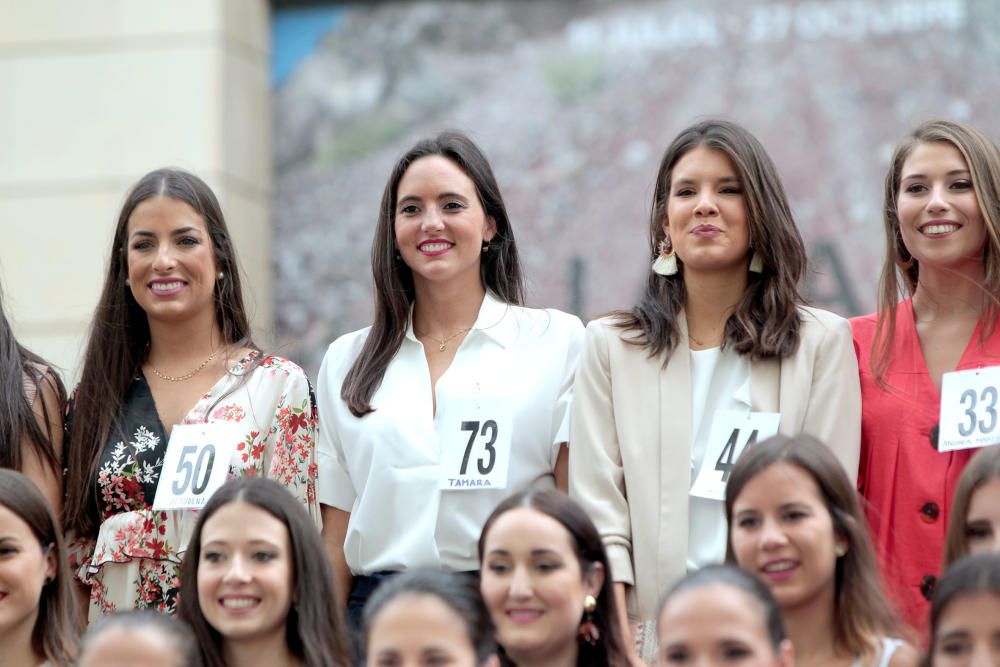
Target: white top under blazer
{"x":384,"y":468}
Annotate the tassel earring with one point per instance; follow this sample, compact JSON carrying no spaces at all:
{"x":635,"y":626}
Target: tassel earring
{"x":666,"y":262}
{"x":756,"y":263}
{"x":588,"y":629}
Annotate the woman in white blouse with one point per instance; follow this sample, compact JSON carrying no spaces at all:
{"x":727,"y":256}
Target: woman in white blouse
{"x":719,"y":351}
{"x":456,"y":397}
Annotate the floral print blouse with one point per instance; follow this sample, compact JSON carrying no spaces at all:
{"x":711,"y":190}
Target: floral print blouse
{"x":134,"y":562}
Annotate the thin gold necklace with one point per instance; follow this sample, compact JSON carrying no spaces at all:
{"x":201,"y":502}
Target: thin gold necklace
{"x":186,"y":376}
{"x":443,"y":344}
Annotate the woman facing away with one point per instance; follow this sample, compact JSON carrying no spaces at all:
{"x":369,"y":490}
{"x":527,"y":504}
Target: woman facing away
{"x":942,"y":227}
{"x":719,"y":351}
{"x":170,"y":354}
{"x":31,"y":424}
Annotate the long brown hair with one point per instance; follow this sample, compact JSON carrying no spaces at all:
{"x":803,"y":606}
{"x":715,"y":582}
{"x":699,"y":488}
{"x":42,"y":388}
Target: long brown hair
{"x":499,"y":270}
{"x":983,"y":467}
{"x":19,"y":365}
{"x":57,"y":628}
{"x":862,"y":614}
{"x":609,"y":651}
{"x":766,"y":322}
{"x":119,"y":337}
{"x":314,"y":629}
{"x":900,"y":271}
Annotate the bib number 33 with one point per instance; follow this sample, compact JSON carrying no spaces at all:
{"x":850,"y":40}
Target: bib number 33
{"x":475,"y":440}
{"x":970,"y":403}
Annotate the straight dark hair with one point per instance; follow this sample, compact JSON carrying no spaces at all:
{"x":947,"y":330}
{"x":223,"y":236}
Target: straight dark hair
{"x":119,"y":337}
{"x":456,"y":590}
{"x":146,"y":621}
{"x":18,"y":421}
{"x":741,"y":580}
{"x":609,"y":651}
{"x":766,"y":321}
{"x":979,"y":574}
{"x":57,"y":628}
{"x":863,"y":617}
{"x":499,"y":270}
{"x":900,"y":271}
{"x":314,"y":628}
{"x":984,"y":467}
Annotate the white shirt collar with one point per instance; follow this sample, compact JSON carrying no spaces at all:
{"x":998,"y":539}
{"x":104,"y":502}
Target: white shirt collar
{"x":495,"y":320}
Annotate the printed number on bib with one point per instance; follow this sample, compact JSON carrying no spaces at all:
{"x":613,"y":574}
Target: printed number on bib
{"x":196,"y":464}
{"x":474,"y":435}
{"x":732,"y":432}
{"x":970,"y":409}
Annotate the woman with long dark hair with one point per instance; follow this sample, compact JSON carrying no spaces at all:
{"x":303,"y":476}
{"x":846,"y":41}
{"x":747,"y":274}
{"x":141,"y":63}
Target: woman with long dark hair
{"x":937,"y":313}
{"x":170,"y":359}
{"x":31,"y":405}
{"x":974,"y":524}
{"x":457,"y":396}
{"x":39,"y":624}
{"x":545,"y":584}
{"x":256,"y":585}
{"x":965,"y":615}
{"x":719,"y":351}
{"x":795,"y":521}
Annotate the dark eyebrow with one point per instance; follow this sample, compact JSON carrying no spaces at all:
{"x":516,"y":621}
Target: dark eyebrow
{"x":724,"y":179}
{"x":953,"y":172}
{"x":177,"y":232}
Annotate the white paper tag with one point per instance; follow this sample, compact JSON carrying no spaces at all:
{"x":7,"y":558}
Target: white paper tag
{"x":731,"y":433}
{"x":196,"y":464}
{"x":970,"y":409}
{"x":474,"y":436}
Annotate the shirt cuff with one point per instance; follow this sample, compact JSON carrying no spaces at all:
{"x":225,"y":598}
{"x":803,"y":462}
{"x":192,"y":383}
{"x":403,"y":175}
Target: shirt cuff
{"x":334,"y":487}
{"x":621,"y":564}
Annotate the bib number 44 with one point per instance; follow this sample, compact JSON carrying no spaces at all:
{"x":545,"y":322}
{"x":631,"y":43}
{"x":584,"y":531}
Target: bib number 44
{"x":726,"y":458}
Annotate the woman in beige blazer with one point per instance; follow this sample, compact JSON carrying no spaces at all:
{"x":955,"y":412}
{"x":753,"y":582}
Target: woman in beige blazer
{"x":720,"y":351}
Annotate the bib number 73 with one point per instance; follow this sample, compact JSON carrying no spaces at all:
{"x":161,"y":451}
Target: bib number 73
{"x":474,"y":436}
{"x":489,"y":431}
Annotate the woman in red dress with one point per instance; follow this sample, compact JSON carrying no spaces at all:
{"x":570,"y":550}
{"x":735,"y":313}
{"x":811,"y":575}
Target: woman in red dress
{"x":942,"y":223}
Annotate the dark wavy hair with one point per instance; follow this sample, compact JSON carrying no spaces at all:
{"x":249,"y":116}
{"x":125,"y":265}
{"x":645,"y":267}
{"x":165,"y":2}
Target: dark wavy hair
{"x":499,"y":270}
{"x":741,"y":580}
{"x":766,"y":321}
{"x":979,"y":574}
{"x":984,"y":467}
{"x":145,"y":622}
{"x":457,"y":591}
{"x":18,"y":422}
{"x":315,"y":626}
{"x":57,"y":627}
{"x":586,"y":541}
{"x":900,"y":271}
{"x":863,"y":616}
{"x":119,"y":337}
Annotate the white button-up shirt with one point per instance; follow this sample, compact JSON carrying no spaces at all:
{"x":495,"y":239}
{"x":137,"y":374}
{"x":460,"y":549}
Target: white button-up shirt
{"x":384,"y":468}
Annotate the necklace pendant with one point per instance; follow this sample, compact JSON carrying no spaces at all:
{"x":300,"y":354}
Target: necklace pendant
{"x":441,"y":347}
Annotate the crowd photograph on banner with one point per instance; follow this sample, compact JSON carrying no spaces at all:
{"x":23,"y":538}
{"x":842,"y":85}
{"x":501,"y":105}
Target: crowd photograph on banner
{"x":564,"y":333}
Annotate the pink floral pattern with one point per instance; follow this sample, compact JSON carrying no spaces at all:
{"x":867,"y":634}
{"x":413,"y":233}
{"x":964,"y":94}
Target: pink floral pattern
{"x":134,"y":560}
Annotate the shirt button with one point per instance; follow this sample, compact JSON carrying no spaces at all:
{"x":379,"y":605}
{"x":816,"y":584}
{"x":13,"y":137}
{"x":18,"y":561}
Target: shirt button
{"x":929,"y":512}
{"x":927,"y":585}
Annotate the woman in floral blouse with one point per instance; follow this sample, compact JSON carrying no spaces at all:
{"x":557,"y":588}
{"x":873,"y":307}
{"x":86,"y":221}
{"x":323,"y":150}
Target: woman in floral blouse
{"x":170,"y":345}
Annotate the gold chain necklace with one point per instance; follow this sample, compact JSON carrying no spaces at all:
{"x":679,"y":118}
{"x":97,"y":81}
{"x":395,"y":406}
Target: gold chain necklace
{"x":186,"y":376}
{"x":442,"y":344}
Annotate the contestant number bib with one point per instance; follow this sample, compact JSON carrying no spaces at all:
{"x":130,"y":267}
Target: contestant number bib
{"x":970,"y":409}
{"x":475,"y":436}
{"x":732,"y":432}
{"x":196,"y":464}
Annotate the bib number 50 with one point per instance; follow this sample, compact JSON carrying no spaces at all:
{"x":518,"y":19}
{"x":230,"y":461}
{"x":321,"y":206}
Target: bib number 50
{"x":195,"y":474}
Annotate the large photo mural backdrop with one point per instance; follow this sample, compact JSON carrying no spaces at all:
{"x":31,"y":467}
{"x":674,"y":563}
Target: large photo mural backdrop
{"x":574,"y":103}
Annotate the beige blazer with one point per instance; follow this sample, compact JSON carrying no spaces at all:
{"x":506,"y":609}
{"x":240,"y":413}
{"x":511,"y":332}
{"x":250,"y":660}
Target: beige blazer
{"x":630,"y":438}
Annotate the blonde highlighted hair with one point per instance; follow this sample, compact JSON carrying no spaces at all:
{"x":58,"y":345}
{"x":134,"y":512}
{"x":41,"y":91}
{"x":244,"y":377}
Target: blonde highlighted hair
{"x":900,"y":271}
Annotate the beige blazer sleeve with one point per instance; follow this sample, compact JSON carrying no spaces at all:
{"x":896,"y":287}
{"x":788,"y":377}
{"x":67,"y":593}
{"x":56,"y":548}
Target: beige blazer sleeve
{"x":596,"y":476}
{"x":833,"y":411}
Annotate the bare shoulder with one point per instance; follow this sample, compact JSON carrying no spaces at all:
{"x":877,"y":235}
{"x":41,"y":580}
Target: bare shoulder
{"x":905,"y":656}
